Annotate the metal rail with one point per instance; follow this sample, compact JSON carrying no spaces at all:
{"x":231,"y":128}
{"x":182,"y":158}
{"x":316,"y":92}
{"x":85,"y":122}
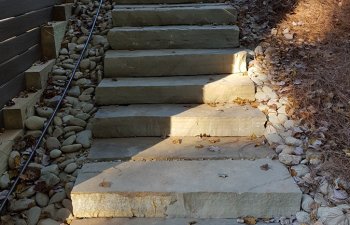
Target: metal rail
{"x":40,"y":139}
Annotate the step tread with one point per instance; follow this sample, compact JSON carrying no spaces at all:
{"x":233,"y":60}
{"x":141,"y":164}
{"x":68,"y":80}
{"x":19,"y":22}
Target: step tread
{"x":190,"y":148}
{"x":179,"y":110}
{"x":182,"y":89}
{"x":173,"y":6}
{"x":123,"y":2}
{"x":158,"y":221}
{"x":190,"y":28}
{"x":167,"y":188}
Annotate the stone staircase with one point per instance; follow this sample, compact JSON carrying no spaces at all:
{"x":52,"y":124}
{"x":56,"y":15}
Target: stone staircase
{"x":170,"y":142}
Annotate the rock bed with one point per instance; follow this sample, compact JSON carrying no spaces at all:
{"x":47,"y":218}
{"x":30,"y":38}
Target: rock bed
{"x":43,"y":196}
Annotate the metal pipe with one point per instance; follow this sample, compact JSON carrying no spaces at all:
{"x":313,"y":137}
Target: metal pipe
{"x":40,"y":139}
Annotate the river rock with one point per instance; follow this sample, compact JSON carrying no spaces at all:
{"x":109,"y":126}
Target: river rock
{"x":303,"y":217}
{"x":84,"y":64}
{"x":70,"y":140}
{"x":54,"y":154}
{"x":307,"y":203}
{"x":14,"y":158}
{"x":33,"y":215}
{"x":84,"y":138}
{"x":44,"y":111}
{"x":76,"y":122}
{"x":57,"y":197}
{"x":48,"y":221}
{"x":52,"y":143}
{"x":21,"y":204}
{"x":4,"y":181}
{"x":70,"y":168}
{"x":74,"y":91}
{"x":71,"y":148}
{"x":50,"y":179}
{"x":35,"y":123}
{"x":289,"y":159}
{"x":42,"y":199}
{"x":300,"y":170}
{"x":63,"y":215}
{"x":51,"y":169}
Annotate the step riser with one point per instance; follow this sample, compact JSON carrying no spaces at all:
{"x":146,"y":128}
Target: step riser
{"x":174,"y":65}
{"x":176,"y":126}
{"x":215,"y":92}
{"x":173,"y":16}
{"x":204,"y":205}
{"x":173,"y":38}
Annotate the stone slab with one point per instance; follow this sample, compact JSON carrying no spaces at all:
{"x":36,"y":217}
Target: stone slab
{"x":37,"y":75}
{"x":164,"y":1}
{"x":174,"y":37}
{"x":176,"y":89}
{"x":15,"y":116}
{"x":179,"y":14}
{"x":159,"y":221}
{"x":6,"y":142}
{"x":193,"y":189}
{"x":158,"y":120}
{"x":51,"y":37}
{"x":175,"y":62}
{"x":178,"y":148}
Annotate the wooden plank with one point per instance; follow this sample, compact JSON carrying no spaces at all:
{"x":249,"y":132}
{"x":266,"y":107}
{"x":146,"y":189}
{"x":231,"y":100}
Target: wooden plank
{"x":20,"y":24}
{"x":18,"y":45}
{"x":9,"y":8}
{"x":12,"y":88}
{"x":18,"y":64}
{"x":37,"y":75}
{"x":51,"y":38}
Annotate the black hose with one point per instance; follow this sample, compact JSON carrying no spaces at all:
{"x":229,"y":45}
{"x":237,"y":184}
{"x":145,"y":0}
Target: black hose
{"x":40,"y":139}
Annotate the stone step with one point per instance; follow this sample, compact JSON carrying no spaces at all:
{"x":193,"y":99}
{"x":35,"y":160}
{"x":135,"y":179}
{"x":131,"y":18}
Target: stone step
{"x":179,"y":14}
{"x":157,"y":120}
{"x":192,"y":189}
{"x":177,"y":89}
{"x":174,"y":62}
{"x":179,"y":148}
{"x":174,"y":37}
{"x":142,"y":2}
{"x":158,"y":221}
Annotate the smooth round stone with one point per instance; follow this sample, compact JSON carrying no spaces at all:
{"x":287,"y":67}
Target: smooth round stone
{"x":63,"y":215}
{"x":84,"y":138}
{"x":57,"y":197}
{"x":35,"y":123}
{"x":4,"y":181}
{"x":44,"y":111}
{"x":71,"y":148}
{"x":33,"y":215}
{"x":48,"y":221}
{"x":13,"y":158}
{"x":69,"y":141}
{"x":42,"y":199}
{"x":85,"y":64}
{"x":52,"y":143}
{"x":70,"y":168}
{"x":54,"y":154}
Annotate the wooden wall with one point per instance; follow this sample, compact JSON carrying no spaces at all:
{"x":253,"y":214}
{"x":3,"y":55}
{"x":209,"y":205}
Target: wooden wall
{"x":20,"y":23}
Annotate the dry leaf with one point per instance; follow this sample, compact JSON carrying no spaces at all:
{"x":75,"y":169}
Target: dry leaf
{"x":176,"y":141}
{"x":105,"y":184}
{"x":293,"y":173}
{"x":214,"y":140}
{"x":265,"y":167}
{"x":250,"y":220}
{"x":253,"y":137}
{"x":199,"y":146}
{"x":192,"y":222}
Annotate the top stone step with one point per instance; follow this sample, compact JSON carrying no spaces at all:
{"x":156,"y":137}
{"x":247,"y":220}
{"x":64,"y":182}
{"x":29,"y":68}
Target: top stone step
{"x":176,"y":14}
{"x":124,"y":2}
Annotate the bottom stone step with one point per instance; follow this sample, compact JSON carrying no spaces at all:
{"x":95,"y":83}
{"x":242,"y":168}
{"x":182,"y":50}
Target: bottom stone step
{"x":185,"y":189}
{"x":159,"y":221}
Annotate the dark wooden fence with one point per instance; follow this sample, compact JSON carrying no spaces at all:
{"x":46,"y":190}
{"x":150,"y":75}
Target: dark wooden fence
{"x":20,"y":22}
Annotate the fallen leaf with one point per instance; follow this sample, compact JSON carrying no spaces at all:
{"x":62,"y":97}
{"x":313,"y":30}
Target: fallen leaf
{"x":222,"y":175}
{"x":265,"y":167}
{"x":192,"y":222}
{"x":105,"y":184}
{"x":214,"y":140}
{"x":199,"y":146}
{"x":176,"y":141}
{"x":250,"y":220}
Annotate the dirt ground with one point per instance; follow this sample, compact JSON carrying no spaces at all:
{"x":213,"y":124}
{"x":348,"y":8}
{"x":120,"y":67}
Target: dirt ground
{"x":313,"y":67}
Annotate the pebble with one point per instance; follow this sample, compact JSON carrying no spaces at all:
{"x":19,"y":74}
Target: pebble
{"x":300,"y":170}
{"x":70,"y":168}
{"x":51,"y":169}
{"x":57,"y":197}
{"x":21,"y":204}
{"x":274,"y":138}
{"x":13,"y":160}
{"x":67,"y":203}
{"x":303,"y":217}
{"x":42,"y":199}
{"x":76,"y":122}
{"x":69,"y":141}
{"x":63,"y":215}
{"x":293,"y":141}
{"x":4,"y":181}
{"x":71,"y":148}
{"x":33,"y":215}
{"x":84,"y":64}
{"x":54,"y":154}
{"x":74,"y":91}
{"x":44,"y":111}
{"x":35,"y":123}
{"x":48,"y":221}
{"x":289,"y":159}
{"x":50,"y":179}
{"x":52,"y":143}
{"x":307,"y":203}
{"x":84,"y":138}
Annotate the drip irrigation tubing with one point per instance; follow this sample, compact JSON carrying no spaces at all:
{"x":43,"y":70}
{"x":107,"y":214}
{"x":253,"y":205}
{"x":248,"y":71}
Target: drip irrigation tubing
{"x":45,"y":129}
